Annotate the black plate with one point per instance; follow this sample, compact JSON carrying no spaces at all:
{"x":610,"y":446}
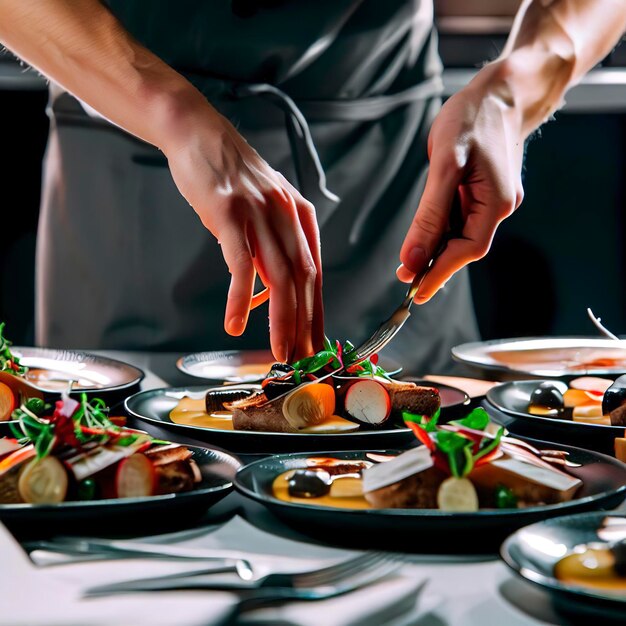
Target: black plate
{"x":155,"y":405}
{"x":533,"y":551}
{"x":218,"y":470}
{"x":425,"y":530}
{"x":513,"y":398}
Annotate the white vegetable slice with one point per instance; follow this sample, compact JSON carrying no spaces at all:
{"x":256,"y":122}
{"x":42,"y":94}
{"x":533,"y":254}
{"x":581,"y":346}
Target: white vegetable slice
{"x":367,"y":401}
{"x":309,"y":405}
{"x":136,"y":477}
{"x":457,"y":494}
{"x":43,"y":481}
{"x":334,"y":424}
{"x":591,"y":383}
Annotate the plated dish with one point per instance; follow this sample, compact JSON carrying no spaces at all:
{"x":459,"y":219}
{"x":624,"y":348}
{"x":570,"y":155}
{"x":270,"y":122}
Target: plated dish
{"x":156,"y":406}
{"x":578,"y":559}
{"x":596,"y":409}
{"x":424,"y":489}
{"x":40,"y":372}
{"x":73,"y":457}
{"x":546,"y":357}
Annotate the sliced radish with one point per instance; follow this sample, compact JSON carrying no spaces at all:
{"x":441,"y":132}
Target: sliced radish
{"x":136,"y":477}
{"x":368,"y":402}
{"x":43,"y":481}
{"x":591,"y":383}
{"x":457,"y":494}
{"x":309,"y":405}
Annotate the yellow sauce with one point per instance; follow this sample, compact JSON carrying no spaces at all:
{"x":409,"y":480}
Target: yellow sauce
{"x":342,"y":493}
{"x":592,"y":568}
{"x":192,"y":412}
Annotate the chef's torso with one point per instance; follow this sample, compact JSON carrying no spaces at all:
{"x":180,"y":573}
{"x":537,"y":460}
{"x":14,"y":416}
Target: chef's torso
{"x":361,"y":75}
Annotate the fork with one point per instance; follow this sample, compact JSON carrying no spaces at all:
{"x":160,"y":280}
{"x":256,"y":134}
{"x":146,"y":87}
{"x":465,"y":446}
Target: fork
{"x":325,"y":582}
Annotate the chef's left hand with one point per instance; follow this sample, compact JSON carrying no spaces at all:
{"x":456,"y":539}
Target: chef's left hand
{"x":475,"y":148}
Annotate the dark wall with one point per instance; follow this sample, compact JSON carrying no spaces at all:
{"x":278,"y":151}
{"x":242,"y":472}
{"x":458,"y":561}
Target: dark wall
{"x":23,"y":129}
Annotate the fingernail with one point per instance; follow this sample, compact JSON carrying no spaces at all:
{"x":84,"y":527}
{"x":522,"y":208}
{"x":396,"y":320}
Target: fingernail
{"x":235,"y":325}
{"x":283,"y":353}
{"x":416,"y":258}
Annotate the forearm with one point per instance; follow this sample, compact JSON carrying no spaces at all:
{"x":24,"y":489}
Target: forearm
{"x":84,"y":48}
{"x":553,"y":43}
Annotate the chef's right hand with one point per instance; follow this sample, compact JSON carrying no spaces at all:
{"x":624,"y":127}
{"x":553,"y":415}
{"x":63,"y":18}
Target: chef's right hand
{"x":263,"y":225}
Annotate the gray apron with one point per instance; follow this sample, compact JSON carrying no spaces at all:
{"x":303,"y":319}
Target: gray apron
{"x":338,"y":95}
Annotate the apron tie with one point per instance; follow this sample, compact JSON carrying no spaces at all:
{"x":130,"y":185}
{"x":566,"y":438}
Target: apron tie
{"x":307,"y":162}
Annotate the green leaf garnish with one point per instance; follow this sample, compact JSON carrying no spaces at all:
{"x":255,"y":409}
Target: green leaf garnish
{"x":476,"y":420}
{"x":8,"y":361}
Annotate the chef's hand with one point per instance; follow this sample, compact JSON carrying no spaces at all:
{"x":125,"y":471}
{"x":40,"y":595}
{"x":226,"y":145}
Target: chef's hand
{"x":476,"y":142}
{"x":475,"y":149}
{"x":262,"y":224}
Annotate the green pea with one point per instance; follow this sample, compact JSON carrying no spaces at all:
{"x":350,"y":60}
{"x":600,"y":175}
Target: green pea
{"x":87,"y":489}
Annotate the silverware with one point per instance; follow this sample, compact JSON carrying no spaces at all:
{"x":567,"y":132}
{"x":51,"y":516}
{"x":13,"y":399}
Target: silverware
{"x":312,"y":585}
{"x":598,"y":324}
{"x":71,"y":550}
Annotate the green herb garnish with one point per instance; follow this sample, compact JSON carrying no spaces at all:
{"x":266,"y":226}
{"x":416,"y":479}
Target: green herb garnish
{"x":8,"y":361}
{"x":505,"y":498}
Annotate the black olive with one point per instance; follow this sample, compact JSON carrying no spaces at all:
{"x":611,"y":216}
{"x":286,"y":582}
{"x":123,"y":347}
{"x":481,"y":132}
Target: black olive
{"x":275,"y":388}
{"x":547,"y":395}
{"x":306,"y":483}
{"x":614,"y":396}
{"x":279,"y":369}
{"x":619,"y":553}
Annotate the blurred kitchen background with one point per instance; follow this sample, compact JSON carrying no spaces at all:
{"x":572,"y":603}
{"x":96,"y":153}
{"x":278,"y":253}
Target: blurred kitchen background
{"x":562,"y":251}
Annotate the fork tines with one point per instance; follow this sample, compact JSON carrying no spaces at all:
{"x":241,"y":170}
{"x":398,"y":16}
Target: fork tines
{"x":334,"y":574}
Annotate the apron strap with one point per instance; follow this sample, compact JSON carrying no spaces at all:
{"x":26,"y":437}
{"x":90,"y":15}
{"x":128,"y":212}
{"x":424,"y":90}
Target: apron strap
{"x":307,"y":161}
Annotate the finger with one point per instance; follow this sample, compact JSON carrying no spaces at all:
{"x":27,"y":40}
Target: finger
{"x":237,"y":255}
{"x":310,"y":227}
{"x":404,"y":275}
{"x":275,"y":270}
{"x":285,"y":221}
{"x":431,"y":218}
{"x":478,"y":234}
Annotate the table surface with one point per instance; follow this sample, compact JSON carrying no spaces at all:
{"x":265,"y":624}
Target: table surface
{"x":472,"y":592}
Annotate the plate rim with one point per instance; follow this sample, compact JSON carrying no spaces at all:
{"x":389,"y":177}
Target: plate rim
{"x":180,"y":362}
{"x":550,"y":582}
{"x":85,"y":353}
{"x":457,"y":355}
{"x":554,"y":421}
{"x":125,"y":502}
{"x":408,"y":513}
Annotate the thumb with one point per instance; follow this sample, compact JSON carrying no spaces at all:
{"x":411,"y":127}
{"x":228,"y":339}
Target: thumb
{"x":432,"y":215}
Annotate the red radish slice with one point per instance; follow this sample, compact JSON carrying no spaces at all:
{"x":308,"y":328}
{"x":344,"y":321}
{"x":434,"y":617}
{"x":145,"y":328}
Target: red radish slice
{"x":368,"y":402}
{"x":135,"y":477}
{"x":7,"y":402}
{"x":591,"y":384}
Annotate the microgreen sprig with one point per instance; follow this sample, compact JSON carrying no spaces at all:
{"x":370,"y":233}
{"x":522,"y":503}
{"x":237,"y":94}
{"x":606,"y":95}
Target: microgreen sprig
{"x":8,"y":361}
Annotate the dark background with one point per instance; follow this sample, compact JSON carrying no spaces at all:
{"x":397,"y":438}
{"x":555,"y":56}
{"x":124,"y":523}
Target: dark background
{"x":561,"y":252}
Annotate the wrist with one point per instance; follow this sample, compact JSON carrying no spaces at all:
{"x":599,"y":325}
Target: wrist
{"x":180,"y":114}
{"x":530,"y":83}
